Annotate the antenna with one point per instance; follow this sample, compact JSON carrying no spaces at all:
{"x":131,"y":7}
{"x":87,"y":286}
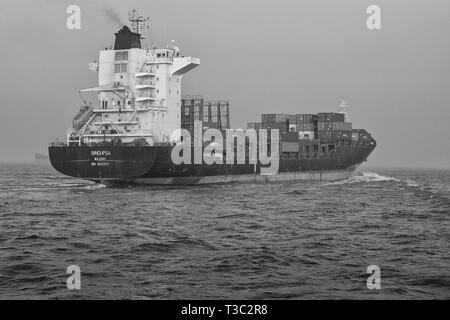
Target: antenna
{"x":138,"y":23}
{"x":343,"y":108}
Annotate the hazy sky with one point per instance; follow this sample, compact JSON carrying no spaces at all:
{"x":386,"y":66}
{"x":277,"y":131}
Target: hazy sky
{"x":284,"y":56}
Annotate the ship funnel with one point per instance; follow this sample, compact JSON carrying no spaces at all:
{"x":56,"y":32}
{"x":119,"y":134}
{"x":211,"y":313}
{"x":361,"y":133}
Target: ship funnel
{"x":126,"y":39}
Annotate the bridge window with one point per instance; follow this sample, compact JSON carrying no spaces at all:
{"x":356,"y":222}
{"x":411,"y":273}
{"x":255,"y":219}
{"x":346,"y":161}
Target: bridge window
{"x":120,"y":67}
{"x":121,"y":56}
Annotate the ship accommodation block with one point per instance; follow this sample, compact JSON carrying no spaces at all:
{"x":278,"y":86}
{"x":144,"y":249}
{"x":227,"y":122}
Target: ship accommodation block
{"x":139,"y":94}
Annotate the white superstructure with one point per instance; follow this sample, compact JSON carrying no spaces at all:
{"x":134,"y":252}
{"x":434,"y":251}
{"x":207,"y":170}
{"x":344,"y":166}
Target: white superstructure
{"x":139,"y":94}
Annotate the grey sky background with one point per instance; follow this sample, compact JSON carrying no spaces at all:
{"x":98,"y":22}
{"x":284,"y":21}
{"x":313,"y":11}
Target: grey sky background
{"x":281,"y":56}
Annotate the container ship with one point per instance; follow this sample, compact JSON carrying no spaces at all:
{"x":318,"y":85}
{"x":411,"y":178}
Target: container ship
{"x":140,"y":117}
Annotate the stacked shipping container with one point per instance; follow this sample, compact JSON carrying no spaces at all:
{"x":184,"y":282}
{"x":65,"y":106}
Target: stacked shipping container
{"x":306,"y":125}
{"x":305,"y":122}
{"x":212,"y":114}
{"x":275,"y":118}
{"x":254,"y":125}
{"x":331,"y":127}
{"x":275,"y":121}
{"x":327,"y":127}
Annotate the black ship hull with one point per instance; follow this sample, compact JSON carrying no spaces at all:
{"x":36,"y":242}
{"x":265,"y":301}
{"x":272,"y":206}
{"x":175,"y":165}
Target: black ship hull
{"x":153,"y":165}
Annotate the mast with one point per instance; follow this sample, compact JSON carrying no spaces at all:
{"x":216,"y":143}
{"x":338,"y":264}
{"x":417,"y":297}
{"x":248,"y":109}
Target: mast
{"x":138,"y":23}
{"x":343,"y":108}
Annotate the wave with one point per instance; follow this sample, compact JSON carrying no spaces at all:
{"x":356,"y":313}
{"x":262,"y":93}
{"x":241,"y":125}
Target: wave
{"x":439,"y":200}
{"x":297,"y":192}
{"x":94,"y":187}
{"x":411,"y":183}
{"x":365,"y":177}
{"x":44,"y":187}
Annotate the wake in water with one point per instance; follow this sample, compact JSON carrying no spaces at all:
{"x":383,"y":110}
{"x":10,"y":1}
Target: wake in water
{"x":94,"y":186}
{"x":365,"y":177}
{"x":438,"y":198}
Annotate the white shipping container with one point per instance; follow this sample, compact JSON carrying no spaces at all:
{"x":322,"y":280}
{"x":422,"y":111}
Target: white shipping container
{"x":309,"y":135}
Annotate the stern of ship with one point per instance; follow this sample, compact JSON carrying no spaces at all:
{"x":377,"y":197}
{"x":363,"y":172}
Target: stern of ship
{"x":105,"y":164}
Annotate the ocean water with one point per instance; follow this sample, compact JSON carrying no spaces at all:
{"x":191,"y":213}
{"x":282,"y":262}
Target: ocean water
{"x":293,"y":240}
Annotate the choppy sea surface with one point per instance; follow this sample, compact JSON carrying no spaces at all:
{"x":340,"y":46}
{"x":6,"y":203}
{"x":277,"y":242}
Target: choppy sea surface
{"x":293,"y":240}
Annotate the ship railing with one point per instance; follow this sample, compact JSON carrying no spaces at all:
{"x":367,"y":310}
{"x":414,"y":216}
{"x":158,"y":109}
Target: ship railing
{"x":161,"y":60}
{"x":148,"y":69}
{"x":192,"y":97}
{"x":187,"y":100}
{"x":145,"y":83}
{"x":57,"y":144}
{"x":146,"y":95}
{"x":217,"y":102}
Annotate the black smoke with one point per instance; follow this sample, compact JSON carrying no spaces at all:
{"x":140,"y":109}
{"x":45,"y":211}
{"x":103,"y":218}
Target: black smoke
{"x":112,"y":15}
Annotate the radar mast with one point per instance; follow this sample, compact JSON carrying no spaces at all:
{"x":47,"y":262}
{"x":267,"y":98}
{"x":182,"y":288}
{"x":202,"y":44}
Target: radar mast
{"x":343,"y":108}
{"x":139,"y":24}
